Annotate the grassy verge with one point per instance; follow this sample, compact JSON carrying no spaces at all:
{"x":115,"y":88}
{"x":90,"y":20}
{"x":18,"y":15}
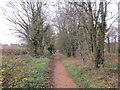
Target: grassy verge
{"x":91,"y":78}
{"x":24,"y":72}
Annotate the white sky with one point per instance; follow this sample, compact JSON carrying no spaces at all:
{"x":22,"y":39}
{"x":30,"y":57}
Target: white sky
{"x":6,"y":36}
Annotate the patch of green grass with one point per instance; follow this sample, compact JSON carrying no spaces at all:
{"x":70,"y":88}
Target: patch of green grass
{"x":89,"y":78}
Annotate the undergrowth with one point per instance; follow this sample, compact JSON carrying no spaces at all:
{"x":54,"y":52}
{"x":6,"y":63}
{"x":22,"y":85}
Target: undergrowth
{"x":106,"y":77}
{"x":24,"y":72}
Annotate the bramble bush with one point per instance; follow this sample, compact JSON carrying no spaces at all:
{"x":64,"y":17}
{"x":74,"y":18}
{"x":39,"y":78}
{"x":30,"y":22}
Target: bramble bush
{"x":14,"y":50}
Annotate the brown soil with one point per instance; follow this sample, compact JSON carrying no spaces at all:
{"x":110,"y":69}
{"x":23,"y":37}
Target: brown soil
{"x":60,"y":78}
{"x":112,"y":56}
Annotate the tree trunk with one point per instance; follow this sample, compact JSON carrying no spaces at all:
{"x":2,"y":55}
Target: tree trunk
{"x":108,"y":44}
{"x":35,"y":50}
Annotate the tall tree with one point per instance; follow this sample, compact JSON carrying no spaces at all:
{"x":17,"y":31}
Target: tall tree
{"x":29,"y":21}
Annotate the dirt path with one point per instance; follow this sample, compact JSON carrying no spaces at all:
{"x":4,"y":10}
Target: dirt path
{"x":61,"y":78}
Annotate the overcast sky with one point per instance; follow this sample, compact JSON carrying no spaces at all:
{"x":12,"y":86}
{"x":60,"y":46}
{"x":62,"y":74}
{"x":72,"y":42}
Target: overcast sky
{"x":6,"y":36}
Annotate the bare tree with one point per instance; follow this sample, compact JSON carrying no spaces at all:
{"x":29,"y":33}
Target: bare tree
{"x":87,"y":20}
{"x":29,"y":20}
{"x":67,"y":30}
